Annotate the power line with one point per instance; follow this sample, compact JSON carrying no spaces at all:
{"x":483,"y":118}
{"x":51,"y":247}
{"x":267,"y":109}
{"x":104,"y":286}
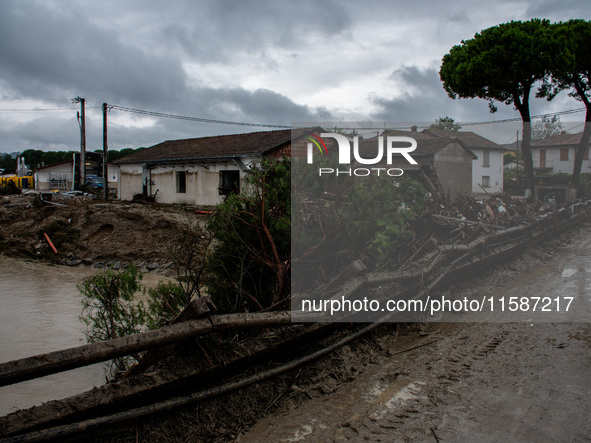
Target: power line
{"x":518,"y":119}
{"x":267,"y":125}
{"x":44,"y":109}
{"x":195,"y":119}
{"x":263,"y":125}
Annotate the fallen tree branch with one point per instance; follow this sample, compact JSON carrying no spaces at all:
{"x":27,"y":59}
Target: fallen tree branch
{"x":109,"y":420}
{"x":37,"y":366}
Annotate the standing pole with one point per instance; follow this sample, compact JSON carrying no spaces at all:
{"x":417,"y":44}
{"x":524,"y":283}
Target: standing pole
{"x":82,"y":123}
{"x":82,"y":142}
{"x":105,"y":155}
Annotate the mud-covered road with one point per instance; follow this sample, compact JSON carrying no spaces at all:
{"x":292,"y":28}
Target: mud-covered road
{"x":527,"y":381}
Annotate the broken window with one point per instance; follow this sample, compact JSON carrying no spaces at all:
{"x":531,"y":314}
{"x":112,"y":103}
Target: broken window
{"x":486,"y":181}
{"x":229,"y":182}
{"x":181,"y":182}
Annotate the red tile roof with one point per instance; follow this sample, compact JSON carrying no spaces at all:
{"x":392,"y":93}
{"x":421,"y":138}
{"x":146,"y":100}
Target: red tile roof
{"x":470,"y":139}
{"x":211,"y":148}
{"x":558,"y":140}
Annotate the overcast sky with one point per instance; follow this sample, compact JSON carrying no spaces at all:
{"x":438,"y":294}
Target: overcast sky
{"x":261,"y":61}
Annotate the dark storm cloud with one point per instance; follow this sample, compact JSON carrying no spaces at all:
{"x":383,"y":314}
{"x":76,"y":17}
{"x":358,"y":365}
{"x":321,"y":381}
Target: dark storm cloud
{"x":234,"y":60}
{"x":559,"y":11}
{"x":424,"y":100}
{"x":47,"y":52}
{"x":62,"y":50}
{"x":223,"y":29}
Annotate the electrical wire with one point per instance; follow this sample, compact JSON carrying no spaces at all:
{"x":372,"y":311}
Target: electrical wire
{"x":267,"y":125}
{"x":195,"y":119}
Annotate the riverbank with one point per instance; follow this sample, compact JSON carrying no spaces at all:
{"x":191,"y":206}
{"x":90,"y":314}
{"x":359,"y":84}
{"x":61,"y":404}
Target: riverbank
{"x":88,"y":232}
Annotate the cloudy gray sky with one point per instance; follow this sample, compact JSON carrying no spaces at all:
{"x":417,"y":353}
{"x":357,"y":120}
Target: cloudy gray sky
{"x":263,"y":61}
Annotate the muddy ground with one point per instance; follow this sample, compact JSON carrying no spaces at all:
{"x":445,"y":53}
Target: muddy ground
{"x":520,"y":382}
{"x":524,"y":381}
{"x":89,"y":232}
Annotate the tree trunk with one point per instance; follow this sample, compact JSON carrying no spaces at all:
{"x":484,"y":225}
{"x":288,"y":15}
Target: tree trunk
{"x":581,"y":149}
{"x":522,"y":105}
{"x":37,"y":366}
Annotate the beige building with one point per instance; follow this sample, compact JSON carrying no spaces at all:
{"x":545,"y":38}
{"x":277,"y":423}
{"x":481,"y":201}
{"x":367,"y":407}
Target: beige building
{"x":198,"y":171}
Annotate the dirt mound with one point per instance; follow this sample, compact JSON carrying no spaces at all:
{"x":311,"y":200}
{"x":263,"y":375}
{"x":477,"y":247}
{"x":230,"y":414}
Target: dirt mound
{"x":90,"y":232}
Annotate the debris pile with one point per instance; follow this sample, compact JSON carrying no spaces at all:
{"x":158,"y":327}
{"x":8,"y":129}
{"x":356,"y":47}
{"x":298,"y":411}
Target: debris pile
{"x":500,"y":209}
{"x":458,"y":220}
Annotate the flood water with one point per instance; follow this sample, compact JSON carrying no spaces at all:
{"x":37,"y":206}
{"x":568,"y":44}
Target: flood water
{"x":39,"y":310}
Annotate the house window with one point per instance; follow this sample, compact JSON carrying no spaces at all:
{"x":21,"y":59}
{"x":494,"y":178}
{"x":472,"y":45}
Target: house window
{"x":486,"y":181}
{"x":542,"y":158}
{"x":486,"y":158}
{"x":229,"y":182}
{"x":564,"y":155}
{"x":181,"y":182}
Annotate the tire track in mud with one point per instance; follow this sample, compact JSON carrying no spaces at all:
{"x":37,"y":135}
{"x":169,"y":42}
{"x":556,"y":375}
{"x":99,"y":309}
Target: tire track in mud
{"x":479,"y":382}
{"x":413,"y":411}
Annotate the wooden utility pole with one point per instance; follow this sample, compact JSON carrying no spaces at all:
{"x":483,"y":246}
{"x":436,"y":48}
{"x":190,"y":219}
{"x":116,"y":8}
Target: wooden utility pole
{"x":82,"y":124}
{"x":105,"y":155}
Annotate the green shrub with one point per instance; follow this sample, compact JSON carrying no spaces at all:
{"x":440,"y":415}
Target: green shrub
{"x":110,"y":311}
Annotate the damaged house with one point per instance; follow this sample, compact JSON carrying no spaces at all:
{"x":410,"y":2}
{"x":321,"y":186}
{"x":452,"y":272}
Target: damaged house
{"x":487,"y":167}
{"x":444,"y":163}
{"x":198,"y":171}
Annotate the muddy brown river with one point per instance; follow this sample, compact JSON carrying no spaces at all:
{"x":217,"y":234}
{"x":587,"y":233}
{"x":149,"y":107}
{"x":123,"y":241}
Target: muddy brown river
{"x":39,"y":309}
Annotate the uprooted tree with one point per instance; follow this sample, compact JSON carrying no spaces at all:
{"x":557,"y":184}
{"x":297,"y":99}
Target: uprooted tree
{"x":249,"y":265}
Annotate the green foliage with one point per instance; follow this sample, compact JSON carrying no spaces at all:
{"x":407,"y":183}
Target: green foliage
{"x":36,"y":158}
{"x":574,"y":75}
{"x":165,"y":302}
{"x":117,"y":155}
{"x":574,"y":71}
{"x":110,"y":311}
{"x":248,"y":268}
{"x":502,"y":63}
{"x":189,"y":255}
{"x":7,"y":163}
{"x":378,"y":213}
{"x":446,"y":123}
{"x":546,"y":127}
{"x":508,"y":157}
{"x":371,"y":220}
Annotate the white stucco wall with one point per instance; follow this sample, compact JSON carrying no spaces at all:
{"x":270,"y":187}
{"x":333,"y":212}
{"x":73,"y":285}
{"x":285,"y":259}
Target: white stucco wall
{"x":494,"y":171}
{"x":202,"y":182}
{"x":553,"y":160}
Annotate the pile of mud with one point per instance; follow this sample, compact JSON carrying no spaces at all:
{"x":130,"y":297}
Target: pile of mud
{"x":88,"y":232}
